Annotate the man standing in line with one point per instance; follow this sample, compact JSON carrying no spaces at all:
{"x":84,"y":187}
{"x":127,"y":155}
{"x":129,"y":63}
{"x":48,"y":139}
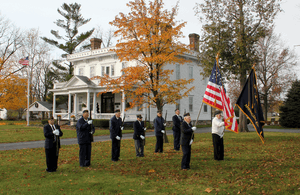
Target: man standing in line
{"x":177,"y":120}
{"x":85,"y":129}
{"x":186,"y":141}
{"x":139,"y":136}
{"x":217,"y":136}
{"x":159,"y":128}
{"x":116,"y":135}
{"x":52,"y":144}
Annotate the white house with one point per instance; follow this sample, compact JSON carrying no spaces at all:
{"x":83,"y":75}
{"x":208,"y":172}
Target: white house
{"x":3,"y":113}
{"x":82,"y":92}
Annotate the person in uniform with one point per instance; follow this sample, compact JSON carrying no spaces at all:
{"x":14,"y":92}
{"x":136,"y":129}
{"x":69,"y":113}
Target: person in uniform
{"x":217,"y":136}
{"x":177,"y":120}
{"x":186,"y":141}
{"x":52,"y":133}
{"x":139,"y":136}
{"x":159,"y":128}
{"x":116,"y":129}
{"x":85,"y":130}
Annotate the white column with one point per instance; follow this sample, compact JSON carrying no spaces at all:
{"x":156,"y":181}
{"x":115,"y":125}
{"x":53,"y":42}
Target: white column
{"x":69,"y":105}
{"x":75,"y":104}
{"x":94,"y":105}
{"x":88,"y":100}
{"x":123,"y":104}
{"x":54,"y":105}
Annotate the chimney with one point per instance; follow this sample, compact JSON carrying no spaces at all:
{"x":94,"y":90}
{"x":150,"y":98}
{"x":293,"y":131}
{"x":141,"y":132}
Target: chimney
{"x":95,"y":43}
{"x":194,"y":42}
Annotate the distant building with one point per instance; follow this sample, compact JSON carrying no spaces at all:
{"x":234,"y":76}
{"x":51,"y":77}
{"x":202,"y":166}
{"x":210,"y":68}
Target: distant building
{"x":3,"y":114}
{"x":82,"y":92}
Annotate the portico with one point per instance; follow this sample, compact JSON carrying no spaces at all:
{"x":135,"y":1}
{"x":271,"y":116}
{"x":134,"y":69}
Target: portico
{"x":83,"y":95}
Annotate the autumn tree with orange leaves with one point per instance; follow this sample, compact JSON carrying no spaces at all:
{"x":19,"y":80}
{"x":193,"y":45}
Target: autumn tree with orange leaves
{"x":13,"y":93}
{"x":149,"y":37}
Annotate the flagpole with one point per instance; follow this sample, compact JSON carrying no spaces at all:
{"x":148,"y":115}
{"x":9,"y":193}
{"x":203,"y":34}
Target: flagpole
{"x":198,"y":113}
{"x":28,"y":92}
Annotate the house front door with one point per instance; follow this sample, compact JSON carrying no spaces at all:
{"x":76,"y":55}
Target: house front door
{"x":107,"y":103}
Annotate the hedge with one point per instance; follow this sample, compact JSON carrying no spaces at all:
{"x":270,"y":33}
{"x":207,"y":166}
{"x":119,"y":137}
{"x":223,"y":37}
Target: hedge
{"x":104,"y":123}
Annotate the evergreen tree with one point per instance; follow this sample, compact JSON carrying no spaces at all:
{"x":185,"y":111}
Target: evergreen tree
{"x":72,"y":21}
{"x":290,"y":109}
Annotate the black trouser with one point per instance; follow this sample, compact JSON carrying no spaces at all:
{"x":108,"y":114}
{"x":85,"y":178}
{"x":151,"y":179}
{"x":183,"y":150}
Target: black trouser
{"x":186,"y":158}
{"x":85,"y":151}
{"x":159,"y":147}
{"x":218,"y":147}
{"x":51,"y":159}
{"x":139,"y":147}
{"x":176,"y":135}
{"x":115,"y":150}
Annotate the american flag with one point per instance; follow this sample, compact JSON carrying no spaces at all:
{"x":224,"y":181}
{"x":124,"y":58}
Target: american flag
{"x":215,"y":96}
{"x":212,"y":94}
{"x":24,"y":61}
{"x":228,"y":113}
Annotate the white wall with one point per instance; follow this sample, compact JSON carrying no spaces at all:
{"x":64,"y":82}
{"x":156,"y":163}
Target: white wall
{"x":3,"y":114}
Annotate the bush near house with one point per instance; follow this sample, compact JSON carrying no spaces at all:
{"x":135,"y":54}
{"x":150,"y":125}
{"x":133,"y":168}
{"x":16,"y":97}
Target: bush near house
{"x":101,"y":123}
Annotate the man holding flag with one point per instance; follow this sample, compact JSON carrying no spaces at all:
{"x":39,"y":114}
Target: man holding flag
{"x":216,"y":97}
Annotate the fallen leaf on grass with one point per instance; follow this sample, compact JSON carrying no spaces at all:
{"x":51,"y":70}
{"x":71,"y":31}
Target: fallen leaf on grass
{"x":151,"y":171}
{"x":131,"y":190}
{"x":208,"y":190}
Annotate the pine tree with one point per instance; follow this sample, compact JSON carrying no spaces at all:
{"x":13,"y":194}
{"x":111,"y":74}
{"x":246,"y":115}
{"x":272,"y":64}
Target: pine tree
{"x":290,"y":109}
{"x":72,"y":21}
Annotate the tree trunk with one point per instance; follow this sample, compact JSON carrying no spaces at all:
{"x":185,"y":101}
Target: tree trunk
{"x":243,"y":123}
{"x":243,"y":118}
{"x":266,"y":106}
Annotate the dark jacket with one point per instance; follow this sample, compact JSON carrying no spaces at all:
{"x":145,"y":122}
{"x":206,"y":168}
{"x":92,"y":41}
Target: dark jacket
{"x":186,"y":133}
{"x":138,"y":129}
{"x":115,"y":127}
{"x":177,"y":123}
{"x":159,"y":125}
{"x":83,"y":130}
{"x":48,"y":133}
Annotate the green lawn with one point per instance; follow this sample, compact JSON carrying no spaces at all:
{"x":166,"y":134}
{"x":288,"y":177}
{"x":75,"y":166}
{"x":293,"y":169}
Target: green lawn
{"x":22,"y":133}
{"x":250,"y":167}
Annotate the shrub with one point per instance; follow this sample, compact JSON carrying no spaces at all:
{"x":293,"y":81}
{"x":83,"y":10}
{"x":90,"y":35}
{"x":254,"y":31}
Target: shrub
{"x":104,"y":123}
{"x":44,"y":121}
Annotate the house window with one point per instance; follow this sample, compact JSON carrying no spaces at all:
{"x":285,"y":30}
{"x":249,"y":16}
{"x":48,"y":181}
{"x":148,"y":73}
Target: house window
{"x":92,"y":71}
{"x":177,"y":106}
{"x":112,"y":67}
{"x":80,"y":71}
{"x":190,"y":72}
{"x":205,"y":108}
{"x":177,"y":71}
{"x":102,"y":70}
{"x":80,"y":101}
{"x":124,"y":64}
{"x":139,"y":108}
{"x":107,"y":70}
{"x":190,"y":104}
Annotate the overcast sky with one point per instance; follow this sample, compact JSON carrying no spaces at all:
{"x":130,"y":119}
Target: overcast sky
{"x":41,"y":14}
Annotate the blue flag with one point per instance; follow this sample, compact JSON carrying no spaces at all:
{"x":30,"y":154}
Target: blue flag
{"x":249,"y":103}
